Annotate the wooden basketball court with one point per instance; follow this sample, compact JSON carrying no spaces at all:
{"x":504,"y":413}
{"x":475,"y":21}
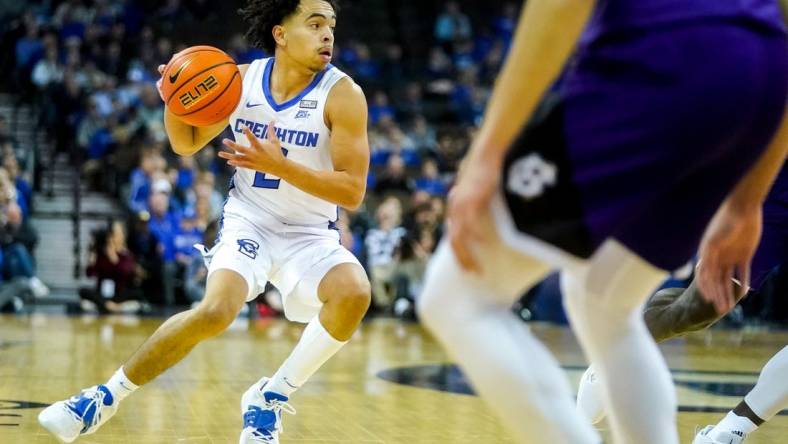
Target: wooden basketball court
{"x":389,"y":385}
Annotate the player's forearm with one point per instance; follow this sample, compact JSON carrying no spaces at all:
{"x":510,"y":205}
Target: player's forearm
{"x":337,"y":187}
{"x":186,"y":139}
{"x":752,"y":189}
{"x":546,"y":35}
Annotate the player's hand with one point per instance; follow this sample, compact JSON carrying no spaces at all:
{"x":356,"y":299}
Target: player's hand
{"x":726,"y":251}
{"x":469,"y":200}
{"x":264,"y":155}
{"x":158,"y":82}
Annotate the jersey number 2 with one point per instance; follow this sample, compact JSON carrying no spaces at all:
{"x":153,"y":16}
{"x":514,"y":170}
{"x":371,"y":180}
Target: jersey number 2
{"x":261,"y":182}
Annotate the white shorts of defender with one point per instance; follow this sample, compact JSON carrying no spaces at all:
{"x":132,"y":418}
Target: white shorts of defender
{"x":294,"y":262}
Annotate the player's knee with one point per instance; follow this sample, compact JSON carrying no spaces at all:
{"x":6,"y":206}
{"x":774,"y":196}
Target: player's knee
{"x":356,"y":297}
{"x":216,"y":317}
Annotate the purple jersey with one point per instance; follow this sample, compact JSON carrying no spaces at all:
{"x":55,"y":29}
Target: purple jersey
{"x":773,"y":249}
{"x":618,"y":15}
{"x":777,"y":200}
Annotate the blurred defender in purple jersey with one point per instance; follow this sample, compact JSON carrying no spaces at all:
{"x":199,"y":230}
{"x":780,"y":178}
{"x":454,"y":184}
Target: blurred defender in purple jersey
{"x":672,"y":312}
{"x":666,"y":108}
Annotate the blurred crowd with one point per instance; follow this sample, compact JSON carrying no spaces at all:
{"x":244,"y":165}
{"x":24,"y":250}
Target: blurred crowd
{"x":18,"y":238}
{"x":89,"y":67}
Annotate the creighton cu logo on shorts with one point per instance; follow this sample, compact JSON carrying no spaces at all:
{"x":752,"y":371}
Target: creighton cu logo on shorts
{"x":248,"y":247}
{"x":530,"y":175}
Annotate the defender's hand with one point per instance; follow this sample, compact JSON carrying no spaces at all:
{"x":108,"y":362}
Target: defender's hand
{"x":469,"y":200}
{"x":263,"y":155}
{"x":726,"y":250}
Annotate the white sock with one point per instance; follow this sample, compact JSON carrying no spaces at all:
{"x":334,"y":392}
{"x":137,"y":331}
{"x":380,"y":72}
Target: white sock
{"x":732,"y":423}
{"x":604,"y":302}
{"x":314,"y":348}
{"x":770,"y":394}
{"x":507,"y":365}
{"x":120,"y":386}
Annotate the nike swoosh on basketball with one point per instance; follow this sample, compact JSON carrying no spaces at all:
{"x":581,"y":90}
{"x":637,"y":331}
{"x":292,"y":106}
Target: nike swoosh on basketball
{"x":174,"y":77}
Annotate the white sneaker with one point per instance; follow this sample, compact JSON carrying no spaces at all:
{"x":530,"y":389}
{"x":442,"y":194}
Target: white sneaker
{"x":722,"y":437}
{"x":82,"y":414}
{"x":589,"y":397}
{"x":39,"y":289}
{"x":262,"y":414}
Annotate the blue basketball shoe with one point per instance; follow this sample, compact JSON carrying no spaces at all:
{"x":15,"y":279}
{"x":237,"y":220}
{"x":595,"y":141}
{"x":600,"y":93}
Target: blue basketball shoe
{"x":262,"y":414}
{"x":82,"y":414}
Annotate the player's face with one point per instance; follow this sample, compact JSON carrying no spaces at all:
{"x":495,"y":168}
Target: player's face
{"x":310,"y":34}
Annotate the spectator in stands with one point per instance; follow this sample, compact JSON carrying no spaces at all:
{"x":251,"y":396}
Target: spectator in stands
{"x":380,"y":108}
{"x":397,"y":142}
{"x":205,"y":191}
{"x":393,"y":178}
{"x":48,"y":71}
{"x":463,"y":56}
{"x":411,"y":103}
{"x":164,"y":225}
{"x":414,"y":252}
{"x":452,"y":26}
{"x":145,"y":248}
{"x":423,"y":136}
{"x":24,"y":193}
{"x":118,"y":276}
{"x":430,"y":180}
{"x":150,"y":164}
{"x":381,"y":244}
{"x":449,"y":153}
{"x":187,"y":235}
{"x":439,"y":71}
{"x":364,"y":68}
{"x":17,"y":241}
{"x":150,"y":114}
{"x":505,"y":23}
{"x":29,"y":49}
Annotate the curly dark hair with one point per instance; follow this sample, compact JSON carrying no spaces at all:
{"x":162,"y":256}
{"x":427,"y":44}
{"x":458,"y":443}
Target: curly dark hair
{"x":263,"y":15}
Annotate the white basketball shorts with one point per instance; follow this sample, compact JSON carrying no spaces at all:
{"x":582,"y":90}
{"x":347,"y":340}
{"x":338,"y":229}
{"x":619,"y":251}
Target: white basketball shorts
{"x":294,"y":259}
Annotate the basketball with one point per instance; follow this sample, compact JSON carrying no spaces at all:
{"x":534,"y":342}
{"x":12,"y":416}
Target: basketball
{"x":201,"y":85}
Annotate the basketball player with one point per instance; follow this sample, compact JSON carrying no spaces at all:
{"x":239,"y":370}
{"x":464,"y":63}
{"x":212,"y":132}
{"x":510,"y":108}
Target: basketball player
{"x":674,"y":311}
{"x":666,"y":108}
{"x":300,"y":151}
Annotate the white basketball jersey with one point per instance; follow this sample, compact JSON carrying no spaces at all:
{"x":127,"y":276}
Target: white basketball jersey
{"x":305,"y":139}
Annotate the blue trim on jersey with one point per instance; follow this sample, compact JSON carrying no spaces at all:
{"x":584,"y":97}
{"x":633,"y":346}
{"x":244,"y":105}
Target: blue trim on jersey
{"x":267,"y":87}
{"x":332,"y":224}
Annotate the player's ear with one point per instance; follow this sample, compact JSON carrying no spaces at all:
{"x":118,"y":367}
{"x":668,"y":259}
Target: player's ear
{"x":279,"y":35}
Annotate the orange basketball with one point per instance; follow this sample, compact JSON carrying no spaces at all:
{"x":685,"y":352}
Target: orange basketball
{"x":201,"y":85}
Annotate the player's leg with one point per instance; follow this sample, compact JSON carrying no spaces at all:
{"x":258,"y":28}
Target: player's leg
{"x":83,"y":414}
{"x":604,"y":303}
{"x":766,"y":399}
{"x":675,"y":311}
{"x":510,"y":368}
{"x":225,"y":295}
{"x":668,"y":313}
{"x":332,"y":296}
{"x":235,"y":267}
{"x":345,"y":294}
